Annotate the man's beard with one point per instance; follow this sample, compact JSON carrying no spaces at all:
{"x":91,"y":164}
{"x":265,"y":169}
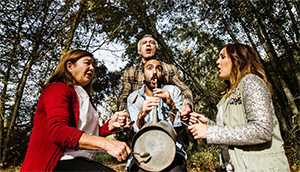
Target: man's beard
{"x":150,"y":85}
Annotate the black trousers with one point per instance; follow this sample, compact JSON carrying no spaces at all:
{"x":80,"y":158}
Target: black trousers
{"x":220,"y":170}
{"x":178,"y":165}
{"x":81,"y":164}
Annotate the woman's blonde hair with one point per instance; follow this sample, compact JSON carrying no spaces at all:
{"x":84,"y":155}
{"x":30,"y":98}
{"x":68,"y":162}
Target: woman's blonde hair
{"x":63,"y":75}
{"x":245,"y":60}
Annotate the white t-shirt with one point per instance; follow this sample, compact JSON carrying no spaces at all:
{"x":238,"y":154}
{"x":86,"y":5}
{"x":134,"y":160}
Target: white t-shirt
{"x":87,"y":122}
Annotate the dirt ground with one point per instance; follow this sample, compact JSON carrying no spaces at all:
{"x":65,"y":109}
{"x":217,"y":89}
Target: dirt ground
{"x":118,"y":166}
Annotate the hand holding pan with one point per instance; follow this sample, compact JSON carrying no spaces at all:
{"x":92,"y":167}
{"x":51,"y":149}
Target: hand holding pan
{"x":158,"y":139}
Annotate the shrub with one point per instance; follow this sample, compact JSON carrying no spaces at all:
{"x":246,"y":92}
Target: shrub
{"x":203,"y":158}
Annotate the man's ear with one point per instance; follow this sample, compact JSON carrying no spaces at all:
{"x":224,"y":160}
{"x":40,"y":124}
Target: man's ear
{"x":139,"y":52}
{"x":69,"y":66}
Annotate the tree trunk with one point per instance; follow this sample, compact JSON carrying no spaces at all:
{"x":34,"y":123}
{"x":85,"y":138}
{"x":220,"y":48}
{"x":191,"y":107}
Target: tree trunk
{"x":149,"y":27}
{"x":286,"y":45}
{"x":248,"y":35}
{"x":294,"y":24}
{"x":73,"y":28}
{"x":20,"y":87}
{"x":5,"y":83}
{"x":227,"y":27}
{"x":278,"y":70}
{"x":279,"y":114}
{"x":296,"y":5}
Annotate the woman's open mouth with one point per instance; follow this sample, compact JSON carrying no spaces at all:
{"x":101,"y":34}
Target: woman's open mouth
{"x":89,"y":74}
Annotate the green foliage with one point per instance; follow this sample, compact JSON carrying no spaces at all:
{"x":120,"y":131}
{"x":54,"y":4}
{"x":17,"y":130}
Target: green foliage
{"x":203,"y":158}
{"x":103,"y":156}
{"x":295,"y":157}
{"x":105,"y":83}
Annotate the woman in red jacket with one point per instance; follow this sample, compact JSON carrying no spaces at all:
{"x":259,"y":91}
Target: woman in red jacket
{"x":66,"y":132}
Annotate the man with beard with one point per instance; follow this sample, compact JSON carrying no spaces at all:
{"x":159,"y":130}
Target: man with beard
{"x":148,"y":48}
{"x":167,"y":99}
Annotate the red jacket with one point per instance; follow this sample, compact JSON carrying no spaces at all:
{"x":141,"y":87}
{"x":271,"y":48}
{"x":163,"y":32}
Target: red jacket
{"x":54,"y":128}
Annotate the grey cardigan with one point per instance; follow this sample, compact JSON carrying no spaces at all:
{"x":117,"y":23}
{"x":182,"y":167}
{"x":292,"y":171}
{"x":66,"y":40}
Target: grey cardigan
{"x":251,"y":128}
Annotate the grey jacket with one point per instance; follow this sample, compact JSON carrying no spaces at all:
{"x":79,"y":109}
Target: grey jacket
{"x":251,"y":128}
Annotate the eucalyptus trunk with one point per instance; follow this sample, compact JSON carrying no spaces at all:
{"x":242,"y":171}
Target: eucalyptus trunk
{"x":21,"y":85}
{"x":294,"y":23}
{"x":12,"y":55}
{"x":296,"y":5}
{"x":286,"y":45}
{"x":248,"y":34}
{"x":149,"y":27}
{"x":281,"y":118}
{"x":265,"y":41}
{"x":73,"y":27}
{"x":227,"y":27}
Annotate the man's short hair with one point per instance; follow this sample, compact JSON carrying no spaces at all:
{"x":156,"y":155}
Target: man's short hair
{"x":143,"y":69}
{"x":147,"y":35}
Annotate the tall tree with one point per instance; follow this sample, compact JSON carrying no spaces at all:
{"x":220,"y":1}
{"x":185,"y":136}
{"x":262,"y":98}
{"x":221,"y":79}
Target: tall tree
{"x":12,"y":54}
{"x":287,"y":47}
{"x":21,"y":84}
{"x":74,"y":26}
{"x":294,"y":22}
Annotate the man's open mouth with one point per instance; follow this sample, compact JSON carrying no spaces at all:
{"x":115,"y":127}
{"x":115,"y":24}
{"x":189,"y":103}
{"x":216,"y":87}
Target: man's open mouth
{"x":154,"y":79}
{"x":148,"y":50}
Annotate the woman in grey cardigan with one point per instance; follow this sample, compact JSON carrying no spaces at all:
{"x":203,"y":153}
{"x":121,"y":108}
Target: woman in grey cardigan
{"x":246,"y":126}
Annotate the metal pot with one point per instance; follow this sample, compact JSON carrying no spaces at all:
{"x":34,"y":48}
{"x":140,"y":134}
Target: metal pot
{"x":158,"y":139}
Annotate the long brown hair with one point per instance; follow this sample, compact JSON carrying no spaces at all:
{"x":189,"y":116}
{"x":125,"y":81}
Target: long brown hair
{"x":245,"y":60}
{"x":62,"y":74}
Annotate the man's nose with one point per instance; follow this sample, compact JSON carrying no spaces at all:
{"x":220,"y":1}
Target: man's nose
{"x":154,"y":70}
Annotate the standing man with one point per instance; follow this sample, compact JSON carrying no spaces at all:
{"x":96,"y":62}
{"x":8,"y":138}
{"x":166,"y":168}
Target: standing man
{"x":147,"y":48}
{"x":167,"y":99}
